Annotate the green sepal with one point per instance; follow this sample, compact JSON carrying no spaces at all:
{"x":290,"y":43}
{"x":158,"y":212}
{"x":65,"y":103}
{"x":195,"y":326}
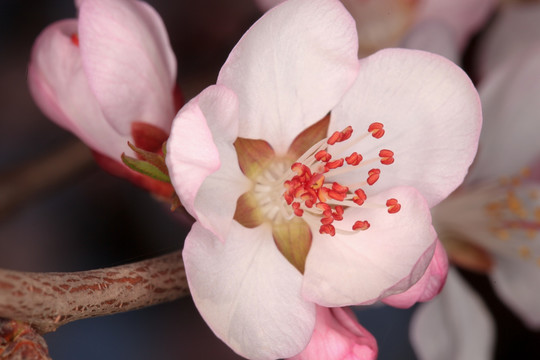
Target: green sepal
{"x":146,"y":168}
{"x":155,"y":159}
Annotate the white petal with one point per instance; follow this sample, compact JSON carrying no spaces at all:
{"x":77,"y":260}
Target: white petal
{"x":202,"y":161}
{"x":456,"y":325}
{"x":517,"y":282}
{"x":364,"y":266}
{"x":289,"y":70}
{"x":60,"y":88}
{"x":247,"y":292}
{"x":509,"y":139}
{"x":128,"y":61}
{"x":431,"y":114}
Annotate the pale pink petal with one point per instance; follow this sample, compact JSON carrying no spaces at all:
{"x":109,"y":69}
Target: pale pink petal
{"x":59,"y":87}
{"x":435,"y":37}
{"x":247,"y":292}
{"x":431,"y":114}
{"x":128,"y":61}
{"x":386,"y":259}
{"x":517,"y":282}
{"x":202,"y":160}
{"x":509,"y":139}
{"x":429,"y":285}
{"x":455,"y":325}
{"x":514,"y":29}
{"x":289,"y":71}
{"x":463,"y":17}
{"x":338,"y":335}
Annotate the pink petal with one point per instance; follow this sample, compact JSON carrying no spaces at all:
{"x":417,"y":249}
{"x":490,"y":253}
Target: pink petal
{"x":202,"y":160}
{"x":130,"y":66}
{"x":289,"y":71}
{"x":365,"y":266}
{"x":509,"y":140}
{"x":514,"y":30}
{"x":59,"y":87}
{"x":247,"y":292}
{"x":463,"y":17}
{"x":429,"y":285}
{"x":338,"y":335}
{"x":431,"y":114}
{"x":517,"y":282}
{"x":456,"y":325}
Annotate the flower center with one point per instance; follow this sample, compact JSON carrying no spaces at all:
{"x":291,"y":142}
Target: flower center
{"x":311,"y":193}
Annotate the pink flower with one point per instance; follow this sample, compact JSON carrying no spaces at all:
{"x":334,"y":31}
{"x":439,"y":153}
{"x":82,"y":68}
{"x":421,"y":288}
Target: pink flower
{"x":107,"y":77}
{"x":338,"y":336}
{"x":310,"y":174}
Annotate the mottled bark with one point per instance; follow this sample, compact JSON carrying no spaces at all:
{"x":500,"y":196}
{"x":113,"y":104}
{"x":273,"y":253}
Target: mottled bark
{"x":49,"y":300}
{"x":19,"y":341}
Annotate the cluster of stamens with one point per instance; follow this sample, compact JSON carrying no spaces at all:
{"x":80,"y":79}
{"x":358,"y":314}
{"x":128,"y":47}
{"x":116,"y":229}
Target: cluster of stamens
{"x":516,"y":212}
{"x":308,"y":190}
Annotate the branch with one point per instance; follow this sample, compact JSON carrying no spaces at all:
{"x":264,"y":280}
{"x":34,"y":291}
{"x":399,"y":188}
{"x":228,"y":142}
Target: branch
{"x":49,"y":300}
{"x":42,"y":174}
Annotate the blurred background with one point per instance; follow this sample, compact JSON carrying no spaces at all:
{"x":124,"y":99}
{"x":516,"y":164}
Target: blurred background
{"x":91,"y":219}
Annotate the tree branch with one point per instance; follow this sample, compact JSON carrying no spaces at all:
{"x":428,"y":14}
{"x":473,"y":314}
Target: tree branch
{"x":49,"y":300}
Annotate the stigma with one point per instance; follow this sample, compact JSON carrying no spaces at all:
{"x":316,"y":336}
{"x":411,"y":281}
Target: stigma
{"x":311,"y":193}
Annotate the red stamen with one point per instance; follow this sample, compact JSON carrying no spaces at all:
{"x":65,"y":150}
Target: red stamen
{"x":361,"y":225}
{"x":373,"y":176}
{"x":334,"y":164}
{"x":322,"y":155}
{"x":334,"y":138}
{"x":327,"y":229}
{"x":376,"y":130}
{"x":297,"y":210}
{"x":346,"y":133}
{"x":360,"y":197}
{"x":387,"y":156}
{"x":393,"y":206}
{"x":339,"y":188}
{"x":354,"y":159}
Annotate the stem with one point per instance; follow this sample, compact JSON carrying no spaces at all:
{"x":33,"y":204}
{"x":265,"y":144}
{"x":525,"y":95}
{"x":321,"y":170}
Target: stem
{"x":49,"y":300}
{"x":42,"y":174}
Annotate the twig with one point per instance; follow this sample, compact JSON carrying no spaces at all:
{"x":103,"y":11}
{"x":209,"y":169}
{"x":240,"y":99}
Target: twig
{"x":49,"y":300}
{"x":42,"y":174}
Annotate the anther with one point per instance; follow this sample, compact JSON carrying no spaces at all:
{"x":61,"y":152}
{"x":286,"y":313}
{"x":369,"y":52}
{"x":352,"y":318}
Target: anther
{"x":322,"y":155}
{"x":376,"y":130}
{"x":353,"y":159}
{"x":387,"y":156}
{"x":393,"y":206}
{"x":373,"y":176}
{"x":360,"y":197}
{"x":361,"y":225}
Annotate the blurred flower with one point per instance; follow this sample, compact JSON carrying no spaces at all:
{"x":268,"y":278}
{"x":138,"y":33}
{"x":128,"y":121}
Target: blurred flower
{"x":109,"y":78}
{"x":337,"y":335}
{"x":514,"y":29}
{"x":440,"y":26}
{"x":498,"y":208}
{"x":455,"y":325}
{"x":301,"y":147}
